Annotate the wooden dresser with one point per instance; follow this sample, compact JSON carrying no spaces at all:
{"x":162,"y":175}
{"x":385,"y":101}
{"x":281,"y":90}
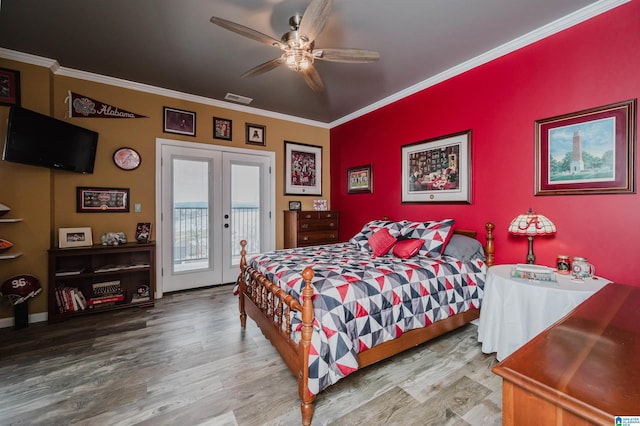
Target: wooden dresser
{"x":583,"y":370}
{"x":310,"y":228}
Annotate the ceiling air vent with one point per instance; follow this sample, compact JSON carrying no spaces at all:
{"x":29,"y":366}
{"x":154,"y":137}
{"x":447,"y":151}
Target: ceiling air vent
{"x":237,"y":98}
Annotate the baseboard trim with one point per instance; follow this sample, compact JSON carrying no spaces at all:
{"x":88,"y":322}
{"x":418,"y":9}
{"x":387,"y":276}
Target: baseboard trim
{"x":39,"y":317}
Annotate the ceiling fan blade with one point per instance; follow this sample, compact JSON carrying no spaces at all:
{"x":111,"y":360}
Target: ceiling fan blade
{"x":315,"y":18}
{"x":312,"y":78}
{"x":262,"y":68}
{"x":247,"y":32}
{"x":346,"y":55}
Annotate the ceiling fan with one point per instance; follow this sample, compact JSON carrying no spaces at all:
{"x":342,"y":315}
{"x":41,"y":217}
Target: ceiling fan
{"x":299,"y":44}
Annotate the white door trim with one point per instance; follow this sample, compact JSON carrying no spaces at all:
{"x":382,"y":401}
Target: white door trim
{"x":160,"y":142}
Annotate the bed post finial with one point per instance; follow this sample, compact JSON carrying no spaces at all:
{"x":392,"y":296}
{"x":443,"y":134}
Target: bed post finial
{"x":306,"y":404}
{"x":489,"y":248}
{"x":241,"y":284}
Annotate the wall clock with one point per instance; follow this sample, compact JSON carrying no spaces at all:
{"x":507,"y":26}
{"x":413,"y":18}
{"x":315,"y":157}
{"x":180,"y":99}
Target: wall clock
{"x":127,"y":158}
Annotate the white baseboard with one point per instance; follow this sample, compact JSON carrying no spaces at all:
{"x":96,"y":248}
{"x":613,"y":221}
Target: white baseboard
{"x":39,"y":317}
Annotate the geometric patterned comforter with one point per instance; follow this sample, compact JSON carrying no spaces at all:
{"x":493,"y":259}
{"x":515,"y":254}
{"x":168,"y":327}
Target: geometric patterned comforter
{"x":360,"y":301}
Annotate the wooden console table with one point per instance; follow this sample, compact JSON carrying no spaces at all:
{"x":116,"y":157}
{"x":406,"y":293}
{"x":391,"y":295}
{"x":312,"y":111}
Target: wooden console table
{"x":582,"y":370}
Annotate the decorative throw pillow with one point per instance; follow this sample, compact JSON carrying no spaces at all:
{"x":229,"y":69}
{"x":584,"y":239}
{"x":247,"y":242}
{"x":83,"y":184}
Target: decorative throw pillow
{"x":464,"y":248}
{"x":381,"y":242}
{"x":361,"y":239}
{"x":406,"y":249}
{"x":435,"y":235}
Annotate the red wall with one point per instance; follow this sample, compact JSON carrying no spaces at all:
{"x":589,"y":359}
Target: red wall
{"x":594,"y":63}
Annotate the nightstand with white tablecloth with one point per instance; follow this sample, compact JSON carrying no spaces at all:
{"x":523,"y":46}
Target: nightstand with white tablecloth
{"x":515,"y":310}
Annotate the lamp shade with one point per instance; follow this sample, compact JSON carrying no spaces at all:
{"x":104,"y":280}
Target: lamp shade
{"x":532,"y":224}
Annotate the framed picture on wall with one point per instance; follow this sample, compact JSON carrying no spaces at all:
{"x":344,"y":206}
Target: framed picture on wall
{"x":587,"y":152}
{"x":102,"y":200}
{"x":256,"y":134}
{"x":9,"y":87}
{"x":302,"y":169}
{"x":437,"y":170}
{"x":360,"y":179}
{"x":179,"y":121}
{"x":221,"y":128}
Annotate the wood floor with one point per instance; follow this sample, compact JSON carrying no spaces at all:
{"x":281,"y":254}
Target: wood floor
{"x":187,"y":362}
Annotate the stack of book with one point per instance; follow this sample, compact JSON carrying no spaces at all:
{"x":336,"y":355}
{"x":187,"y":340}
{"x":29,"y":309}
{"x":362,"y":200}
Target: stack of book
{"x":70,"y":299}
{"x":533,"y":272}
{"x":106,"y":294}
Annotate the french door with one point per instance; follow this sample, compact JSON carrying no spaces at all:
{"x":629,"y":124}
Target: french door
{"x":211,"y":198}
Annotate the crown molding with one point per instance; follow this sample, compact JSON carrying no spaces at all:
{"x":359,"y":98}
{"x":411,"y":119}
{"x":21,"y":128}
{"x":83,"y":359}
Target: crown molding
{"x":132,"y":85}
{"x":538,"y":34}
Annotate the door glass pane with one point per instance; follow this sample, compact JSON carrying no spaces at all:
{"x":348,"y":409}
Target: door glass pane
{"x":190,"y":215}
{"x":245,"y":209}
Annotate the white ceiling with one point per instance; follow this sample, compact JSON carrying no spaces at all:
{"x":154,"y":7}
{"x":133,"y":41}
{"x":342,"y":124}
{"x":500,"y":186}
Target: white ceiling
{"x":171,"y":44}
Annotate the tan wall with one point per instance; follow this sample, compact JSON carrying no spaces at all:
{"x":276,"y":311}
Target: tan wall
{"x":47,"y":199}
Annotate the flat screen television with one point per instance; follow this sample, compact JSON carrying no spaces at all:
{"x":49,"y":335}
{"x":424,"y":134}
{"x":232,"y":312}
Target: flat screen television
{"x":40,"y":140}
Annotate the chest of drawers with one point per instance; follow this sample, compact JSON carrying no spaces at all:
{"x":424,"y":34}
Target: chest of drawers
{"x":310,"y":228}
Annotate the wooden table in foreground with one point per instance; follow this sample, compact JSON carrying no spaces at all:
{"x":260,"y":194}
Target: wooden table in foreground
{"x":582,"y":370}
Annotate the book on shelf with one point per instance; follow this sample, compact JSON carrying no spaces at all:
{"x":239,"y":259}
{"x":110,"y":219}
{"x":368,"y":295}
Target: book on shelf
{"x":69,"y":271}
{"x":103,"y":300}
{"x":108,"y":268}
{"x":106,"y":288}
{"x":70,"y":299}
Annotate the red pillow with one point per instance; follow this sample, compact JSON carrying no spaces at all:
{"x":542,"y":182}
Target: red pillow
{"x":381,"y":242}
{"x":407,"y":248}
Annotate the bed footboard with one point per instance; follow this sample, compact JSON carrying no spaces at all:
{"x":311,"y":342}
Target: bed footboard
{"x":270,"y":307}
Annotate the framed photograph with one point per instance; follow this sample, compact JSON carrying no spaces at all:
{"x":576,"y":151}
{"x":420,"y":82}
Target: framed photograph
{"x":102,"y":200}
{"x":221,"y":128}
{"x":9,"y":87}
{"x":256,"y":134}
{"x":302,"y":169}
{"x":295,"y":206}
{"x":75,"y":237}
{"x":143,"y":232}
{"x":437,"y":170}
{"x":360,"y":179}
{"x":320,"y":205}
{"x":587,"y":152}
{"x":179,"y":121}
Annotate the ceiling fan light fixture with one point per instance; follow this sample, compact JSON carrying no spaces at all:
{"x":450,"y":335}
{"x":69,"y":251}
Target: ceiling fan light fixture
{"x":297,"y":60}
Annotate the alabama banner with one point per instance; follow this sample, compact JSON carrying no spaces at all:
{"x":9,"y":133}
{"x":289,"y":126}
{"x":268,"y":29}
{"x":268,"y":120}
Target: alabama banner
{"x":84,"y":106}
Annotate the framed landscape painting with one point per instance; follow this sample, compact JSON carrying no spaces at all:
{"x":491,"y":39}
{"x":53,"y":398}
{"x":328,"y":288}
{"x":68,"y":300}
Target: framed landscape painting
{"x":587,"y":152}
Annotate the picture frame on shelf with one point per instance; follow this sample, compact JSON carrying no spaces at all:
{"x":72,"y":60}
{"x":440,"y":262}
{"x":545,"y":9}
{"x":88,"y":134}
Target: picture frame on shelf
{"x":302,"y":169}
{"x":437,"y":170}
{"x":360,"y":179}
{"x":143,"y":232}
{"x":102,"y":200}
{"x":179,"y":121}
{"x":295,"y":206}
{"x":9,"y":87}
{"x":256,"y":134}
{"x":75,"y":237}
{"x":592,"y":151}
{"x":222,"y":128}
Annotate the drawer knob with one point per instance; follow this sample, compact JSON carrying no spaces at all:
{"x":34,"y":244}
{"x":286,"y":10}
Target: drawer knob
{"x":305,"y":238}
{"x":305,"y":225}
{"x":332,"y":224}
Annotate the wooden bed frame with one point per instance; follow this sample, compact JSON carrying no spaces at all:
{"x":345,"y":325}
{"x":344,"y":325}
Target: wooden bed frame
{"x":269,"y":306}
